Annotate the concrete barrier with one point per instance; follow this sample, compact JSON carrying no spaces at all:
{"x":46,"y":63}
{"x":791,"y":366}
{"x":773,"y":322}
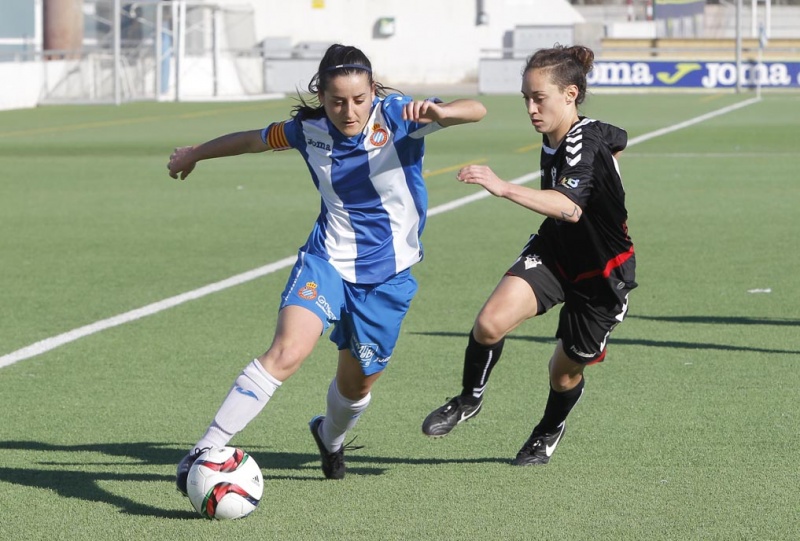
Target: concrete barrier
{"x":21,"y":84}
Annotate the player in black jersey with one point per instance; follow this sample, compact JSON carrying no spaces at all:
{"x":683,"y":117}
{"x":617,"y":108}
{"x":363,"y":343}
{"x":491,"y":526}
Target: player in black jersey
{"x":581,"y":256}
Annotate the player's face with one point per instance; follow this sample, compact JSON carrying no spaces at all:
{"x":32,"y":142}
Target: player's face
{"x":347,"y":101}
{"x":552,"y":111}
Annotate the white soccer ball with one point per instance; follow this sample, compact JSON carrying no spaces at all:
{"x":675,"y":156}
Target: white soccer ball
{"x":225,"y":483}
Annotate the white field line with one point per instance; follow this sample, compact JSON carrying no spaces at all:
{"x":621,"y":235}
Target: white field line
{"x":48,"y":344}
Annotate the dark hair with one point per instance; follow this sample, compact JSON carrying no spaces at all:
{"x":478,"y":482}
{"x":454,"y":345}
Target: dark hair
{"x":566,"y":65}
{"x":338,"y":60}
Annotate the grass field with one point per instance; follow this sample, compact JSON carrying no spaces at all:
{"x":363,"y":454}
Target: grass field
{"x":689,"y":430}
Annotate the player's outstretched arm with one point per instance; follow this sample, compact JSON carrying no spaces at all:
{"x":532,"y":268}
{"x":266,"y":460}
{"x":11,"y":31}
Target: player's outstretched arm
{"x":447,"y":114}
{"x":183,"y":159}
{"x":546,"y":202}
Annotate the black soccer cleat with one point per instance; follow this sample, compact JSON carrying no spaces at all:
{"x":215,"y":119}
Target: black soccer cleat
{"x":332,"y":463}
{"x":442,"y":420}
{"x":539,"y":447}
{"x":184,"y":466}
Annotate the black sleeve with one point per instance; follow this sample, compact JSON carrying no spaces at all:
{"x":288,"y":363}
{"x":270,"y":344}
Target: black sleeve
{"x":617,"y":138}
{"x":577,"y":174}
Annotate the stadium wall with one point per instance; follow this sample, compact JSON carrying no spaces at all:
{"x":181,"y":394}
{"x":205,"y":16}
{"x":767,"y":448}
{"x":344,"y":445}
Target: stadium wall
{"x":411,"y":43}
{"x":430,"y":43}
{"x":24,"y":93}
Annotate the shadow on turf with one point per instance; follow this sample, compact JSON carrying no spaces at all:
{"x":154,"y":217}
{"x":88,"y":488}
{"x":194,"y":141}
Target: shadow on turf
{"x":70,"y":481}
{"x":722,"y":320}
{"x":665,"y":343}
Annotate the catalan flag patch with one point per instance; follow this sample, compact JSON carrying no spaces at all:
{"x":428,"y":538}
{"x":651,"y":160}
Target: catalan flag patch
{"x":275,"y":136}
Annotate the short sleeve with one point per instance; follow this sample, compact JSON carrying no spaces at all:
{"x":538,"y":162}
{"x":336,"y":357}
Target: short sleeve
{"x":617,"y":138}
{"x":280,"y":135}
{"x":577,"y":175}
{"x":393,"y":110}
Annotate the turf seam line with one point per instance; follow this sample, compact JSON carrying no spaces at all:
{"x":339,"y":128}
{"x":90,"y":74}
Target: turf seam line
{"x":48,"y":344}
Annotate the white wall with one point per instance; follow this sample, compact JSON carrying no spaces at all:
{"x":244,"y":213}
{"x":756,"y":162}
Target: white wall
{"x":21,"y":83}
{"x":435,"y":41}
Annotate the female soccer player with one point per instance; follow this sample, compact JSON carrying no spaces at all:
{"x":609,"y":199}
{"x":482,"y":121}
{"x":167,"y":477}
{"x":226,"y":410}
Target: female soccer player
{"x":582,"y":255}
{"x":364,"y":151}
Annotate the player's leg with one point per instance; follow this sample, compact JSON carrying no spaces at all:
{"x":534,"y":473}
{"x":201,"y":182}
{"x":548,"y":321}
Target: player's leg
{"x":512,"y":302}
{"x":296,"y":335}
{"x":566,"y":388}
{"x":348,"y":397}
{"x":297,"y":332}
{"x":301,"y":321}
{"x":583,"y":333}
{"x":366,"y":337}
{"x":529,"y":288}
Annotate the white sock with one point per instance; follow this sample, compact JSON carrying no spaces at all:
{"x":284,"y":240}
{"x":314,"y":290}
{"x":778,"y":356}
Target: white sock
{"x":249,"y":394}
{"x":342,"y":415}
{"x":214,"y":437}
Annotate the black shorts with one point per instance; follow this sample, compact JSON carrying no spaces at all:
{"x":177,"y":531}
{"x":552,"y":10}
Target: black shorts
{"x":590,"y":312}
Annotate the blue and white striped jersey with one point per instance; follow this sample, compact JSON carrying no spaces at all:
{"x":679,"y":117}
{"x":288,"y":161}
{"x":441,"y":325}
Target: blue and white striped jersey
{"x":374,"y":199}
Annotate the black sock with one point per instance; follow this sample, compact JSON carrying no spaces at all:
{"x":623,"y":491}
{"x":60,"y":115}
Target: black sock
{"x":478,"y":363}
{"x":558,"y":407}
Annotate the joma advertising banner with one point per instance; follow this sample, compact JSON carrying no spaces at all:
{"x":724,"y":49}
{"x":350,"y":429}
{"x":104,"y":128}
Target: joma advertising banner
{"x":699,"y":74}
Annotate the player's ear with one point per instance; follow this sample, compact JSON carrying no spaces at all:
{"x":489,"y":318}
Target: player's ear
{"x":571,"y":94}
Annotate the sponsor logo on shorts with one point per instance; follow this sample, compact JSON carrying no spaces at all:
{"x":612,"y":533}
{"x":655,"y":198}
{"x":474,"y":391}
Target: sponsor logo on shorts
{"x":367,"y":354}
{"x":308,"y":292}
{"x":579,"y":353}
{"x":323,"y":304}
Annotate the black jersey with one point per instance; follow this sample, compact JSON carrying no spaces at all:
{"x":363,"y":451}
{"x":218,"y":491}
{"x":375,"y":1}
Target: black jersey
{"x":584,"y":169}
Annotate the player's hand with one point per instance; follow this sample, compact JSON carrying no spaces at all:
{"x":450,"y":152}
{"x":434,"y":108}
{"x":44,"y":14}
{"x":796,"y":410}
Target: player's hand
{"x":423,"y":111}
{"x":483,"y":176}
{"x":181,"y":162}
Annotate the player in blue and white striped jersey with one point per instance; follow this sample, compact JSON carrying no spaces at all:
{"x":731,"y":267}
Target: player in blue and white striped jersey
{"x":364,"y":149}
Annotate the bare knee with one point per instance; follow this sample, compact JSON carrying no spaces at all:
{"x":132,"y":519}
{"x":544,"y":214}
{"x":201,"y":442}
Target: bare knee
{"x":354,"y":388}
{"x":562,"y":383}
{"x":282,"y":360}
{"x":351,"y":381}
{"x":486,"y":331}
{"x":490,"y":327}
{"x":511,"y":303}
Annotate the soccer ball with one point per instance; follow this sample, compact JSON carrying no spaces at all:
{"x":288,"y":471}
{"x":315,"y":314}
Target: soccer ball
{"x":224,"y":483}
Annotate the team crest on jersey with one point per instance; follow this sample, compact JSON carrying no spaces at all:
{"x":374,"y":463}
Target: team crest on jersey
{"x":379,"y":136}
{"x":532,"y":261}
{"x":308,"y":292}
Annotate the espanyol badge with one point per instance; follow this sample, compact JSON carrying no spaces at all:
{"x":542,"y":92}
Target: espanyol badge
{"x":308,"y":291}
